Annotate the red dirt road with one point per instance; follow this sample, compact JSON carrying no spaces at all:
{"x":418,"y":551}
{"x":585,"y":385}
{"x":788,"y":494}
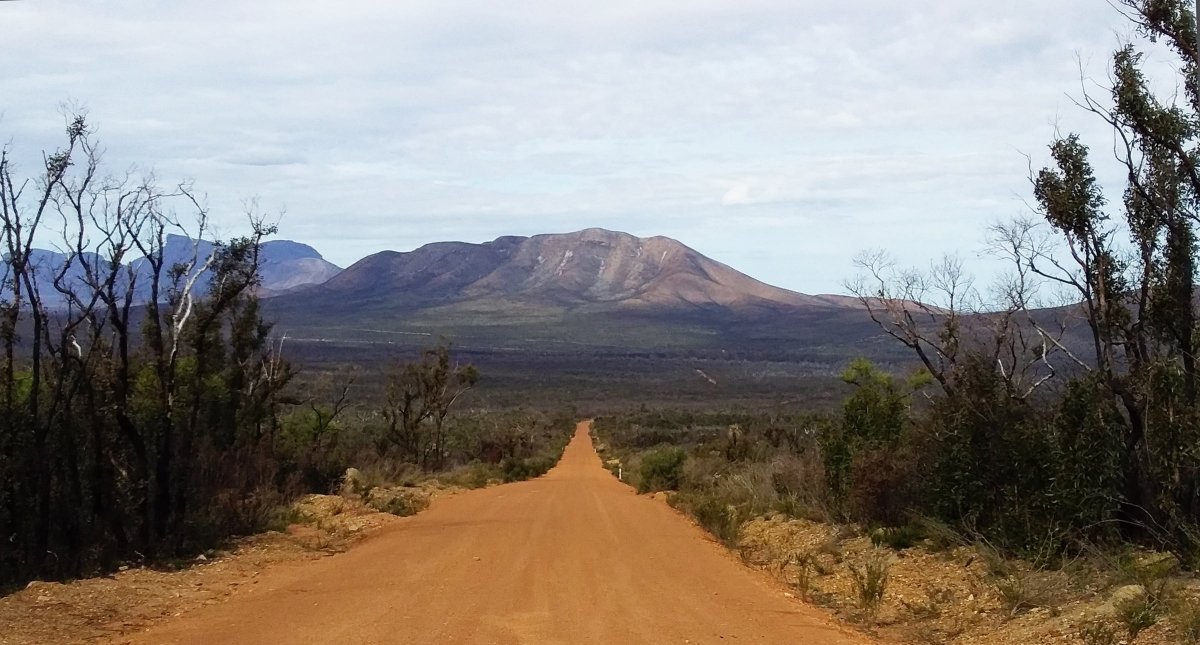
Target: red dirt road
{"x":572,"y":557}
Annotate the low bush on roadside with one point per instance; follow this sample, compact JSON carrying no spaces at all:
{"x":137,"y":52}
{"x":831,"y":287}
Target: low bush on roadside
{"x":1185,"y":614}
{"x":897,"y":537}
{"x":1098,"y":632}
{"x":1137,"y":614}
{"x":1023,"y":591}
{"x":870,"y":582}
{"x":476,"y":474}
{"x":482,"y":449}
{"x":518,"y":469}
{"x":283,"y":516}
{"x":661,"y":469}
{"x":711,"y":513}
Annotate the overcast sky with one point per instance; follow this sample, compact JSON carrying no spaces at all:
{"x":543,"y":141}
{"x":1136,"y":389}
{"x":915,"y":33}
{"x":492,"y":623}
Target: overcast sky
{"x":778,"y":136}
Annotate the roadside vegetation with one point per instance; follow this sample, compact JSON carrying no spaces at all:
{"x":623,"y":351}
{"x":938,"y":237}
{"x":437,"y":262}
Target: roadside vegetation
{"x":1047,"y":448}
{"x":147,"y":408}
{"x":1036,"y":477}
{"x":858,"y":526}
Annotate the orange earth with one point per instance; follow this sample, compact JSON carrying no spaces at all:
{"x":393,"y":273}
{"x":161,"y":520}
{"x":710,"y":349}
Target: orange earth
{"x":572,"y":557}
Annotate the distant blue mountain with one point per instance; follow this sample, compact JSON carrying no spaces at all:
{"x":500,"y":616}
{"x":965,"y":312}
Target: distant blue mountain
{"x":286,"y":265}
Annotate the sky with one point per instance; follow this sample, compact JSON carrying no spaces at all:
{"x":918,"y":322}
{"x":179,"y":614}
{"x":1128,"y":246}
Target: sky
{"x":781,"y":137}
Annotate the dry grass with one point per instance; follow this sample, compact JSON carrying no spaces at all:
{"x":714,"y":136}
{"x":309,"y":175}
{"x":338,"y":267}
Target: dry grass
{"x":870,"y":582}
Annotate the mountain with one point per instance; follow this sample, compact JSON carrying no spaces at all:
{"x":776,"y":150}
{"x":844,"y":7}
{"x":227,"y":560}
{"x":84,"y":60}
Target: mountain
{"x":597,"y":289}
{"x":288,"y":265}
{"x":50,"y":266}
{"x":285,"y":265}
{"x":593,"y":268}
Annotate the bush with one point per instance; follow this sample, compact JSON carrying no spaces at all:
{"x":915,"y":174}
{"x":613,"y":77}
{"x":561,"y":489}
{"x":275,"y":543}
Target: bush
{"x":712,"y":514}
{"x":1185,"y":614}
{"x":799,"y":481}
{"x":870,"y":582}
{"x":474,"y":475}
{"x":1098,"y":632}
{"x":897,"y":537}
{"x":661,"y":469}
{"x":805,"y":564}
{"x":1138,"y":613}
{"x":521,"y":469}
{"x":883,"y":485}
{"x":1022,"y":591}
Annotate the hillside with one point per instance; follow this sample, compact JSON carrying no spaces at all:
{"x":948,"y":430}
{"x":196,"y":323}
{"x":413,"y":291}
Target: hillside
{"x":571,"y":270}
{"x":591,"y":290}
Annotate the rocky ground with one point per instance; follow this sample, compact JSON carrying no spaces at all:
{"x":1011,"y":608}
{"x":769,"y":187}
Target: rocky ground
{"x":958,"y":593}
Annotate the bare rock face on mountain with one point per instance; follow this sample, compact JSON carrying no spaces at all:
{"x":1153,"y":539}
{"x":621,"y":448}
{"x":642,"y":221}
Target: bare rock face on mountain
{"x":590,"y":267}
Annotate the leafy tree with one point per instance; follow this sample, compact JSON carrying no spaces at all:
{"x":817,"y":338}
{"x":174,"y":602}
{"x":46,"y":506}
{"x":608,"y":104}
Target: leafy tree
{"x":137,"y":409}
{"x":1139,"y":306}
{"x":1066,"y":419}
{"x":873,"y":416}
{"x":418,"y":399}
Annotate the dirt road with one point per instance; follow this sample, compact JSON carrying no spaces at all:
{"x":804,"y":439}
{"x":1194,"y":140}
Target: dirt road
{"x":572,"y":557}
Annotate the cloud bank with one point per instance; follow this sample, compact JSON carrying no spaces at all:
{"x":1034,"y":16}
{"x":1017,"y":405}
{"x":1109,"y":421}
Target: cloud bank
{"x":779,"y":137}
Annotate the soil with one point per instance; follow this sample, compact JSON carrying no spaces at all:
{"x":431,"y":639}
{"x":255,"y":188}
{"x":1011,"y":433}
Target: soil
{"x":98,"y":609}
{"x":571,"y":557}
{"x":951,"y":595}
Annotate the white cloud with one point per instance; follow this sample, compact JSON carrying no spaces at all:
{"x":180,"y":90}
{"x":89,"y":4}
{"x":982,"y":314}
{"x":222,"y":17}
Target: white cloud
{"x":830,"y":127}
{"x":738,"y":193}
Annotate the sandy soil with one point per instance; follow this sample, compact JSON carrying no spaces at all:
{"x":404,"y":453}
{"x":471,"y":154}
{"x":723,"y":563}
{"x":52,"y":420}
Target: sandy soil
{"x":572,"y":557}
{"x":949,"y":597}
{"x":97,"y":609}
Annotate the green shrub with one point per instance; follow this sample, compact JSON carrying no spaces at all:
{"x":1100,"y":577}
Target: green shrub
{"x":1022,"y":591}
{"x":1136,"y":614}
{"x":516,"y":469}
{"x":1185,"y":614}
{"x":806,"y":565}
{"x":473,"y":475}
{"x":870,"y":582}
{"x":661,"y":469}
{"x":1098,"y":632}
{"x":283,"y":516}
{"x":711,"y":513}
{"x":883,"y":486}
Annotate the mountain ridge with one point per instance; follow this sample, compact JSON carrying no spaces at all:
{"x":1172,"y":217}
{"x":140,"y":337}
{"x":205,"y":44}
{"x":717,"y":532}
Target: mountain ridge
{"x":588,"y":268}
{"x":285,"y":265}
{"x":574,"y":293}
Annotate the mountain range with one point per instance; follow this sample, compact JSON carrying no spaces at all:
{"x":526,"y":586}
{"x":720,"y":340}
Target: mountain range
{"x":285,"y":265}
{"x":591,"y":269}
{"x":590,"y":290}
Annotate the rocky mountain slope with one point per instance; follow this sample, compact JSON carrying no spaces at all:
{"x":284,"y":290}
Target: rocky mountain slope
{"x":593,"y":268}
{"x":583,"y":291}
